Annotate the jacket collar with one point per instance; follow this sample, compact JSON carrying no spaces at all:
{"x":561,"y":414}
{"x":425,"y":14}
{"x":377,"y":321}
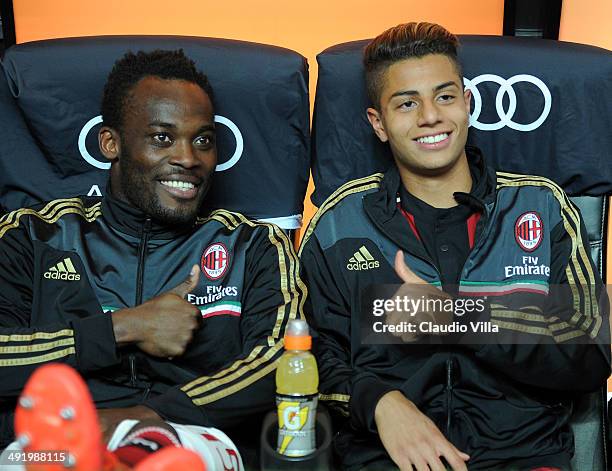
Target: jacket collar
{"x":132,"y":221}
{"x":381,"y":206}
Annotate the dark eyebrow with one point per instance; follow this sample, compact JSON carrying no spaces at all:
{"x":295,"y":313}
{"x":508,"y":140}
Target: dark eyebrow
{"x":450,"y":83}
{"x":162,"y":124}
{"x":206,"y":128}
{"x":436,"y":89}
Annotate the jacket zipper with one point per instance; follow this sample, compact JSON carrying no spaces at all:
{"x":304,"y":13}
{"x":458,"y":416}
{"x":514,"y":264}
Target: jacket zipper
{"x":142,"y":251}
{"x":449,"y":394}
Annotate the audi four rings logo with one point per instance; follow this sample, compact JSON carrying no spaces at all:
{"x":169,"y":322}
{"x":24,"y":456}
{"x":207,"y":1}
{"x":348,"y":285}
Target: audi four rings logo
{"x":506,"y":86}
{"x":233,"y":160}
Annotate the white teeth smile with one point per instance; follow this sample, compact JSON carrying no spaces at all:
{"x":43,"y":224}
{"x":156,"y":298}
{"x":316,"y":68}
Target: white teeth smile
{"x":432,"y":139}
{"x":177,"y":184}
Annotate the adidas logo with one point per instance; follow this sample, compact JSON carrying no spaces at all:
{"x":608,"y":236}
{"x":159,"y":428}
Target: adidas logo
{"x":362,"y":260}
{"x":64,"y":270}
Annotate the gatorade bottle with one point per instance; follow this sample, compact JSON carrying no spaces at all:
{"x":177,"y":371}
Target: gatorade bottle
{"x":297,"y":383}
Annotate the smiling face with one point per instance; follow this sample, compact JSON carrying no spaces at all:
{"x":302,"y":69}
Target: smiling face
{"x":164,"y":155}
{"x":423,"y":114}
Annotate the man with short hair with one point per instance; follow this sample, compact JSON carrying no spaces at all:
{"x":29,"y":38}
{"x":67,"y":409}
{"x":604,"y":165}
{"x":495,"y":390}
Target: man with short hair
{"x":441,"y":217}
{"x":163,"y":313}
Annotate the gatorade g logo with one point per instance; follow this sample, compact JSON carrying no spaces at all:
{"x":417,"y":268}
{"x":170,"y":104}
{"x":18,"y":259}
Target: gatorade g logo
{"x":292,"y":416}
{"x":296,"y":424}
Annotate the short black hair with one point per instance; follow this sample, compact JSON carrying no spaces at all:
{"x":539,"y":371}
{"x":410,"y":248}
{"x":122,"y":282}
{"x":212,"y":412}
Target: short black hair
{"x":405,"y":41}
{"x":131,"y":68}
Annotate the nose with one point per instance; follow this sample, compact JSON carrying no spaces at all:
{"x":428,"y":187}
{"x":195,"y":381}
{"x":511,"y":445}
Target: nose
{"x":185,"y":155}
{"x":428,"y":114}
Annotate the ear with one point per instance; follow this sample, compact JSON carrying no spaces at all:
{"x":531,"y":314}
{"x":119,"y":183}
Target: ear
{"x":375,"y":118}
{"x":467,"y":97}
{"x":109,"y":142}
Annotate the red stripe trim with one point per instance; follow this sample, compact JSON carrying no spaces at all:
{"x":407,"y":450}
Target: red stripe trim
{"x":219,"y":313}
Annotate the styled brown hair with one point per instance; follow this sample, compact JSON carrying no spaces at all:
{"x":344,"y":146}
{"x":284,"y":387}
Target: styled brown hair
{"x":405,"y":41}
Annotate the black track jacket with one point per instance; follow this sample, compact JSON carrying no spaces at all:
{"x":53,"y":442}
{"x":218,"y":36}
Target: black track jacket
{"x":68,"y":264}
{"x":498,"y":402}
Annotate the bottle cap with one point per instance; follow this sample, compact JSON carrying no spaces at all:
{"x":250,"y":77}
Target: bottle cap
{"x":297,"y":335}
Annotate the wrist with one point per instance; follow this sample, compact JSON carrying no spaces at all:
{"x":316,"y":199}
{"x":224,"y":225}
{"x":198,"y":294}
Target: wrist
{"x":386,"y":402}
{"x":124,"y":327}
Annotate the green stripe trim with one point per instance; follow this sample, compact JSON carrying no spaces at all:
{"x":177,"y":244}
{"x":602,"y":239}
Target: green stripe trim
{"x":236,"y":307}
{"x":503,"y":288}
{"x":217,"y":303}
{"x":502,"y":283}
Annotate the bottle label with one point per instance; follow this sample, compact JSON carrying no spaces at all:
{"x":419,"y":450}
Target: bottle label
{"x":296,"y":424}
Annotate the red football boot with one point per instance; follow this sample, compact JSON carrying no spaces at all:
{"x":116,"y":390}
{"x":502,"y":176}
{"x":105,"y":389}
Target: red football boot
{"x":56,"y":418}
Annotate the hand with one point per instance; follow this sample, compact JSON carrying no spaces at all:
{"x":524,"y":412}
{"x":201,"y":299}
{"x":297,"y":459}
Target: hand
{"x":110,"y":418}
{"x":417,"y":289}
{"x":412,"y":439}
{"x":164,"y":325}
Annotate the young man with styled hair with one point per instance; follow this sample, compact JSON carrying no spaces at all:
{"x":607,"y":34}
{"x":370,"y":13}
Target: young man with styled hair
{"x":441,"y":217}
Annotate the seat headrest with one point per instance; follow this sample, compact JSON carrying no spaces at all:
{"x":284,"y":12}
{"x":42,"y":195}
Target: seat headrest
{"x":538,"y":106}
{"x":50,"y":107}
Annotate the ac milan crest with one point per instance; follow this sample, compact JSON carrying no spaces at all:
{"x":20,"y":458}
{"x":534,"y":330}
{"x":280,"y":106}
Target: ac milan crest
{"x":528,"y":231}
{"x":215,"y":260}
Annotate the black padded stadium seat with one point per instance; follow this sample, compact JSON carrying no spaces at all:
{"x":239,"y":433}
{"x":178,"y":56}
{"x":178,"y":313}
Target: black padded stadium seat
{"x":50,"y":93}
{"x":540,"y":107}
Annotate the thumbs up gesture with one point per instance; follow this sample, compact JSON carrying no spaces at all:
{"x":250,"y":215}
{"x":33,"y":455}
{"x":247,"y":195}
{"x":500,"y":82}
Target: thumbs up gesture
{"x":164,"y":325}
{"x":417,"y":289}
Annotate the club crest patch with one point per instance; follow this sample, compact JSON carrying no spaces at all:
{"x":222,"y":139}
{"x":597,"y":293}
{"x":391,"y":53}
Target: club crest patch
{"x":215,"y":260}
{"x":529,"y":231}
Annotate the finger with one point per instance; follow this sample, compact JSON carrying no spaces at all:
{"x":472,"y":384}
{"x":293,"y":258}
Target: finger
{"x":454,"y":458}
{"x":435,"y":464}
{"x":405,"y":273}
{"x":419,"y":464}
{"x":189,"y":284}
{"x":463,"y":456}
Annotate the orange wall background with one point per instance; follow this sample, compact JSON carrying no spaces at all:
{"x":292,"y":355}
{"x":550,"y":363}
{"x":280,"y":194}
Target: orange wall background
{"x":587,"y":22}
{"x":307,"y":28}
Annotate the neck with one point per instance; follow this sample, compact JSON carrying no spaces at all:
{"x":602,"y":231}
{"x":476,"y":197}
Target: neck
{"x":437,"y":190}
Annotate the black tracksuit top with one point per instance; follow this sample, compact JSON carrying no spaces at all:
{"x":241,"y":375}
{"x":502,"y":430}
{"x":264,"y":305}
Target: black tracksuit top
{"x":499,"y":402}
{"x":68,"y":264}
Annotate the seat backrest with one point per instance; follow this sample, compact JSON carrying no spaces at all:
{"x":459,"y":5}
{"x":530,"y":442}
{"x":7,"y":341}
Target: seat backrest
{"x":50,"y":94}
{"x":539,"y":107}
{"x":590,"y":418}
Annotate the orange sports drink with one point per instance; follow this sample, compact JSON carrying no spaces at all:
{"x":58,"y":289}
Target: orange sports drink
{"x":297,"y":383}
